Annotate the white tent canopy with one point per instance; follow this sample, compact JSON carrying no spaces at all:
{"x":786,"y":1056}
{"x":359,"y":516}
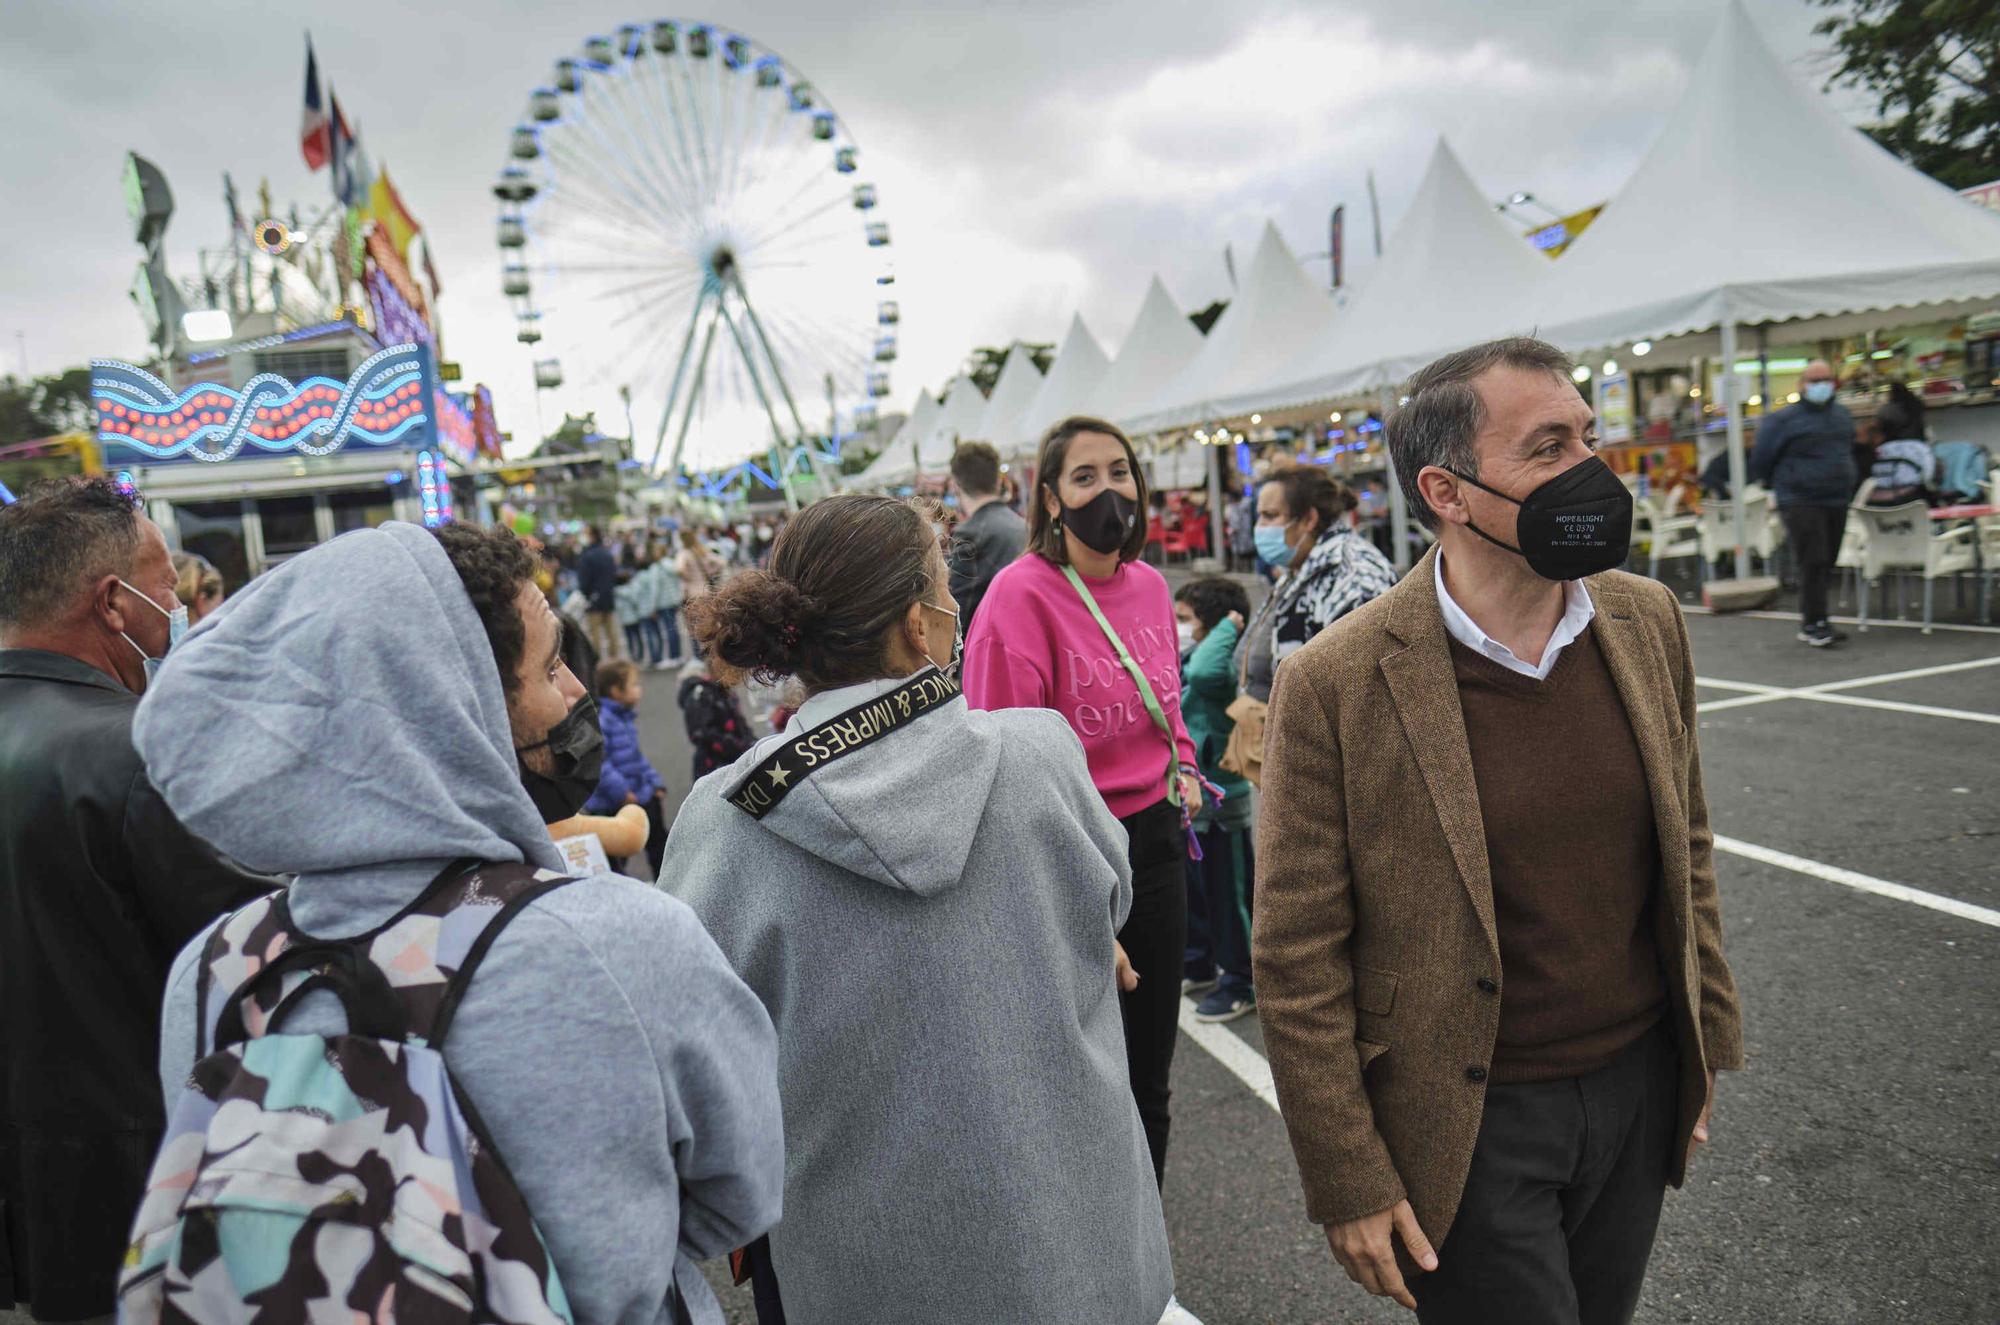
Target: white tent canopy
{"x":1758,"y":204}
{"x":1068,"y":389}
{"x":1453,"y":272}
{"x":959,"y":419}
{"x":898,"y":461}
{"x":1013,"y":393}
{"x":1161,"y":343}
{"x":1275,"y":310}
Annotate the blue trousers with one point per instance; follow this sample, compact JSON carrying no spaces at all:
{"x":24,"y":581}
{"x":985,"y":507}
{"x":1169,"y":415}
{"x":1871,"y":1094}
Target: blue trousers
{"x":1219,"y":888}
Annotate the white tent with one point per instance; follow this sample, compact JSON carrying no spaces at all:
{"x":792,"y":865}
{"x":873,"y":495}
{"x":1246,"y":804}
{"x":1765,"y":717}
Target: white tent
{"x":1068,"y":389}
{"x":1161,"y":343}
{"x":1453,"y":273}
{"x":898,"y":461}
{"x":958,"y":420}
{"x":1019,"y":383}
{"x":1276,"y":309}
{"x":1758,"y":204}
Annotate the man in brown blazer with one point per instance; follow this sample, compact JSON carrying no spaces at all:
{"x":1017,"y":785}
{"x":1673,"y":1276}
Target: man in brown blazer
{"x":1487,"y":942}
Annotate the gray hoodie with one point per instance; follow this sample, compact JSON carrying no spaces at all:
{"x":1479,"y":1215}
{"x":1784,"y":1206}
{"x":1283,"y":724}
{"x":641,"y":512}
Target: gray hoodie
{"x":342,"y":719}
{"x":930,"y":921}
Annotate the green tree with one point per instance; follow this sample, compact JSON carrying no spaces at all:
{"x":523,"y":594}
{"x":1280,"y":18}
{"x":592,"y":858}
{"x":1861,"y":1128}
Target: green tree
{"x":983,"y":365}
{"x":1933,"y":67}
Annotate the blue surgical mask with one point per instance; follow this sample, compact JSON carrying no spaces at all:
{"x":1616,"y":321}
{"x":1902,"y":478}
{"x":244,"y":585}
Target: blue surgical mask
{"x":1271,"y":545}
{"x":177,"y":628}
{"x":1818,"y":392}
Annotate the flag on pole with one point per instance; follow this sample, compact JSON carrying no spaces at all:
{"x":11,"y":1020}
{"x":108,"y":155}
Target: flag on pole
{"x":314,"y":139}
{"x":352,"y":175}
{"x":431,"y":271}
{"x":385,"y":208}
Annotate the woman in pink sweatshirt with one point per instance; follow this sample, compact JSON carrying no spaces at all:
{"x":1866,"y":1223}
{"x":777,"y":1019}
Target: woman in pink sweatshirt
{"x":1036,"y":644}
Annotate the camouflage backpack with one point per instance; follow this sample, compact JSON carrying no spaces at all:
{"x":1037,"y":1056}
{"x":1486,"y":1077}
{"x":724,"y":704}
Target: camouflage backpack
{"x":309,"y":1178}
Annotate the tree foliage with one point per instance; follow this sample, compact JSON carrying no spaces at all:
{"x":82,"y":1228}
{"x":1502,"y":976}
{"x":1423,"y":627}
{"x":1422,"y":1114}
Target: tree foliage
{"x":1933,"y":67}
{"x":43,"y":406}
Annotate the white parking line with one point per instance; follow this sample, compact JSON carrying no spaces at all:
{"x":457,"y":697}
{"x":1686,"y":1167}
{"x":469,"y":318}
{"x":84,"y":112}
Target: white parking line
{"x":1847,"y":878}
{"x":1233,"y":1052}
{"x":1696,"y":609}
{"x":1829,"y":692}
{"x":1250,"y":1067}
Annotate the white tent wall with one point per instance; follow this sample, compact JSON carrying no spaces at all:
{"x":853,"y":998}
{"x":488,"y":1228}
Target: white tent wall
{"x":1159,"y":346}
{"x":1072,"y":381}
{"x":959,"y":419}
{"x":898,"y":462}
{"x":1276,"y":309}
{"x":1013,"y":393}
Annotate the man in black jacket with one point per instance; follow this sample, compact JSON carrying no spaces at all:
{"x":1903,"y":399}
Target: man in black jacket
{"x":597,"y":581}
{"x":99,"y":887}
{"x":989,"y":534}
{"x":1805,"y":455}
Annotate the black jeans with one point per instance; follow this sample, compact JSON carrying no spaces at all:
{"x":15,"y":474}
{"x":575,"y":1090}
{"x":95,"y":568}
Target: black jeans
{"x":1814,"y":533}
{"x":1154,"y":936}
{"x":1563,"y":1199}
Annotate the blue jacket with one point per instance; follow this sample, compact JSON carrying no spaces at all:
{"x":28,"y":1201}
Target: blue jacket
{"x":626,"y":768}
{"x":597,"y":577}
{"x":1805,"y":455}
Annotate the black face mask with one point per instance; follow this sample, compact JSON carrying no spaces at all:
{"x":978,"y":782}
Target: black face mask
{"x":577,"y":746}
{"x":1102,"y":523}
{"x":1578,"y":523}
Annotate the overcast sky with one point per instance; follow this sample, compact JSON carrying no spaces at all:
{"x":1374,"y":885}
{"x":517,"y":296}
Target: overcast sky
{"x":1034,"y":159}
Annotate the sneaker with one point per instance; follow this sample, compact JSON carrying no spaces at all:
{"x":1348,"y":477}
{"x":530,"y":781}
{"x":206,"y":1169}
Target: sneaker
{"x":1820,"y":637}
{"x":1226,"y":1005}
{"x":1176,"y":1314}
{"x":1839,"y":636}
{"x":1190,"y":985}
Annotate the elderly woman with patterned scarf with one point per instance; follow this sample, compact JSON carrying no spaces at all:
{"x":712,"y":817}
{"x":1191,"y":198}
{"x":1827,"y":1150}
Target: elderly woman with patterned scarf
{"x":1329,"y":569}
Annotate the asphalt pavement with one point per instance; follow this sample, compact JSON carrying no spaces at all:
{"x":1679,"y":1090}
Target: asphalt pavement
{"x":1855,"y":1160}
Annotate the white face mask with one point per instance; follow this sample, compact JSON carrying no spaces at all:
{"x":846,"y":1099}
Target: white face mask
{"x":950,"y":669}
{"x":1187,"y":635}
{"x":177,"y":626}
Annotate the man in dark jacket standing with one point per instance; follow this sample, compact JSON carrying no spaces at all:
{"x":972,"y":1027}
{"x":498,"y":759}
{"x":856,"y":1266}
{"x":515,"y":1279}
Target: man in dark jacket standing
{"x":989,"y":534}
{"x":597,"y":581}
{"x":1805,"y":455}
{"x":99,"y":887}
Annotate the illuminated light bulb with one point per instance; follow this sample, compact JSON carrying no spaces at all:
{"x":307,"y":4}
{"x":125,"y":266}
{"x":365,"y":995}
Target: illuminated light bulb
{"x":1694,"y":392}
{"x":1579,"y":374}
{"x":1333,"y":417}
{"x":1792,"y":399}
{"x":1610,"y":367}
{"x":1256,"y":418}
{"x":1642,"y":348}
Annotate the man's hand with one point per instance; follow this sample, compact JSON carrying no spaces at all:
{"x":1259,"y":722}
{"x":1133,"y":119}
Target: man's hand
{"x":1701,"y":1123}
{"x":1364,"y":1250}
{"x":1128,"y":979}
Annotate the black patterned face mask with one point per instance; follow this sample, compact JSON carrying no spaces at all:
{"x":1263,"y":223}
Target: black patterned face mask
{"x":1578,"y":523}
{"x":576,"y":745}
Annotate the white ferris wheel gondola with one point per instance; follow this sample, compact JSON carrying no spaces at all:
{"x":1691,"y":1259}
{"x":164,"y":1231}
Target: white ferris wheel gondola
{"x":681,"y":211}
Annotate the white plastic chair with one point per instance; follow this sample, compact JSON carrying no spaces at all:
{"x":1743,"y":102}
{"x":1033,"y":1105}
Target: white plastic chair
{"x":1899,"y":538}
{"x":1760,"y":525}
{"x":1668,"y":531}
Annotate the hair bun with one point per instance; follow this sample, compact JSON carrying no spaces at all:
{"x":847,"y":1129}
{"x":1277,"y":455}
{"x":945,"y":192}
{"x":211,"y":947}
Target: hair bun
{"x":759,"y":624}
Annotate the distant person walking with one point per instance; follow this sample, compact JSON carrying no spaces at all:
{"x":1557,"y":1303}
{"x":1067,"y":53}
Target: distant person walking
{"x":961,"y":1143}
{"x":597,"y":581}
{"x":100,"y":885}
{"x":989,"y":534}
{"x":1805,"y":455}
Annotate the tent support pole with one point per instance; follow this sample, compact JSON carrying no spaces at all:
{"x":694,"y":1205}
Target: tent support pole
{"x":1739,"y":477}
{"x":1217,"y":547}
{"x":1399,"y":515}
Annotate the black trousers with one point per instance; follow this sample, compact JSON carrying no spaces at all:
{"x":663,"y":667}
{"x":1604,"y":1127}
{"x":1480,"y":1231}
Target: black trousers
{"x":1154,"y":936}
{"x":1814,"y":533}
{"x":1560,"y":1208}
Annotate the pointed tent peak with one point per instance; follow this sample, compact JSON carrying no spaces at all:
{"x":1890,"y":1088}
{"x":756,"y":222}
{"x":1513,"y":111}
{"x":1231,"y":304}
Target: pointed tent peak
{"x":1161,"y":343}
{"x":1078,"y":335}
{"x":1015,"y":390}
{"x":1079,"y":366}
{"x":1157,"y":310}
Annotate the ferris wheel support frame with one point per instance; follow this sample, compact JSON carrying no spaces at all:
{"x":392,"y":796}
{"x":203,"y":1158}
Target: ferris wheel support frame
{"x":693,"y":402}
{"x":680,"y":374}
{"x":778,"y":443}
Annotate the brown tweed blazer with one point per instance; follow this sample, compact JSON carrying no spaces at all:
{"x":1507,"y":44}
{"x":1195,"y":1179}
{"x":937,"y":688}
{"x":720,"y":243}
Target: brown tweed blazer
{"x":1374,"y":909}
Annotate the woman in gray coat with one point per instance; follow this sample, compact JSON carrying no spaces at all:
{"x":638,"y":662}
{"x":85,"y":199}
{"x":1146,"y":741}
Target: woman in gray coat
{"x":925,"y":898}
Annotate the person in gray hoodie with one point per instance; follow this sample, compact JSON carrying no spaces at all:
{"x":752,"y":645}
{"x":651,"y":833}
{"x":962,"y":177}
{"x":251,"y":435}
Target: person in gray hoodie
{"x":363,"y":716}
{"x":926,"y":899}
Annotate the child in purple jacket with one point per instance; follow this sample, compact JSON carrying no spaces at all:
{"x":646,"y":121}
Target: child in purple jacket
{"x":629,"y":778}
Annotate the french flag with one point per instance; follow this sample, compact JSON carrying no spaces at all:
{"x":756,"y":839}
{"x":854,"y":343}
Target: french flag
{"x":315,"y":129}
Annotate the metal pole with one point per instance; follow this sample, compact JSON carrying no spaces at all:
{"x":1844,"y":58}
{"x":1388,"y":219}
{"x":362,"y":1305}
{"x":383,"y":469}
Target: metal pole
{"x":1763,"y":372}
{"x":680,"y":370}
{"x":1215,"y":525}
{"x":769,"y":357}
{"x":694,"y":399}
{"x":1399,"y":515}
{"x":1739,"y":477}
{"x":763,"y":398}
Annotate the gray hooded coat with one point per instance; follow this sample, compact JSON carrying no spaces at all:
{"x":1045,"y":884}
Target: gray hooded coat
{"x":930,"y":921}
{"x":342,"y":719}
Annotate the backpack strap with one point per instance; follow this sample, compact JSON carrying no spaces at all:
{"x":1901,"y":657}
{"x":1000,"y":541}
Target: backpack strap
{"x":518,"y":885}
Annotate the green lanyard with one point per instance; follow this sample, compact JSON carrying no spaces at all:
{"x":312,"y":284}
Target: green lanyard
{"x":1146,"y":694}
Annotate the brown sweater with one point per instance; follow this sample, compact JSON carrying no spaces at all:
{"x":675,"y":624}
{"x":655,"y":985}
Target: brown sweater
{"x":1574,"y":854}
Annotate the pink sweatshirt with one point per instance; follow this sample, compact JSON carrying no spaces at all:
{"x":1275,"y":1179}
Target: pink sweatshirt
{"x":1034,"y":644}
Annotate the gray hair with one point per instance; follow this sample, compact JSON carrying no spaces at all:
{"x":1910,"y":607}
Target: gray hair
{"x":1442,"y":412}
{"x":62,"y":536}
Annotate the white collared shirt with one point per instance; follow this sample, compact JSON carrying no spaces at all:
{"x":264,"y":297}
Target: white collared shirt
{"x":1578,"y":612}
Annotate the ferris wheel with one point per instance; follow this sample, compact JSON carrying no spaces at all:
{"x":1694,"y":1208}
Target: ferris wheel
{"x":683,"y":215}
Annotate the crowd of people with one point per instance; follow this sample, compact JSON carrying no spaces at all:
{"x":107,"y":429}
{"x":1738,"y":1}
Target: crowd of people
{"x":305,"y":1015}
